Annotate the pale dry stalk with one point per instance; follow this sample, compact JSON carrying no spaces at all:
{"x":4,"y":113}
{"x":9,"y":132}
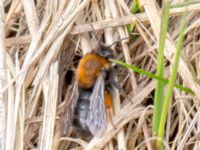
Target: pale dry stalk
{"x":3,"y":78}
{"x":31,"y":16}
{"x":120,"y":21}
{"x":50,"y":88}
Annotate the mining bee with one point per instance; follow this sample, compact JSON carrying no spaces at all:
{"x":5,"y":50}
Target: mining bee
{"x":89,"y":109}
{"x":86,"y":110}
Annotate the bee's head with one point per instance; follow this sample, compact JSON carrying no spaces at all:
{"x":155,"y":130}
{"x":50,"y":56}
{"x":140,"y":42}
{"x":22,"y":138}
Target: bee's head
{"x":104,"y":51}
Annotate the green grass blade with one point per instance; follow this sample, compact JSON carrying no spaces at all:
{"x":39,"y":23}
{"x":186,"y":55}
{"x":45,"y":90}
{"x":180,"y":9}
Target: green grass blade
{"x":159,"y":91}
{"x":133,"y":11}
{"x":172,"y":80}
{"x":150,"y":75}
{"x":135,"y":7}
{"x":186,"y":3}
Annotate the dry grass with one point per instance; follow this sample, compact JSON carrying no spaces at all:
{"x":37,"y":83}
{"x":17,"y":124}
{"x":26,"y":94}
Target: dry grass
{"x":42,"y":40}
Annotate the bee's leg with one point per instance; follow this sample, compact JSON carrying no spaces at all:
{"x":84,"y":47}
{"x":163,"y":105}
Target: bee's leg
{"x":110,"y":116}
{"x":111,"y":82}
{"x":109,"y":105}
{"x":118,"y":86}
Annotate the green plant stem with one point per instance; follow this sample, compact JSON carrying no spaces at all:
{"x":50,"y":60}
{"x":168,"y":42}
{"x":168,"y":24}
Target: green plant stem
{"x":172,"y":80}
{"x":159,"y":91}
{"x":186,"y":3}
{"x":150,"y":75}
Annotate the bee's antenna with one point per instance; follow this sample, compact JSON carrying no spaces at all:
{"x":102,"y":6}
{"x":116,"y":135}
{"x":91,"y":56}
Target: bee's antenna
{"x":99,"y":42}
{"x":95,"y":35}
{"x":117,"y":41}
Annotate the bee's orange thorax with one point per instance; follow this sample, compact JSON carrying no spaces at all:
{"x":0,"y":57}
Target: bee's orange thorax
{"x":89,"y":67}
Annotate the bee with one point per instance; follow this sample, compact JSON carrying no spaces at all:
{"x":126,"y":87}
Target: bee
{"x":86,"y":108}
{"x":89,"y":108}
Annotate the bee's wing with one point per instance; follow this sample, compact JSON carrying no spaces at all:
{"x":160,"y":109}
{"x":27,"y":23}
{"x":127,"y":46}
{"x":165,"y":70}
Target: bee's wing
{"x":71,"y":101}
{"x":96,"y":120}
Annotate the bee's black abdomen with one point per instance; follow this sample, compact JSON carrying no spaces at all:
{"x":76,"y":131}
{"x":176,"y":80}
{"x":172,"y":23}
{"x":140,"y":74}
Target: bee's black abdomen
{"x":81,"y":113}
